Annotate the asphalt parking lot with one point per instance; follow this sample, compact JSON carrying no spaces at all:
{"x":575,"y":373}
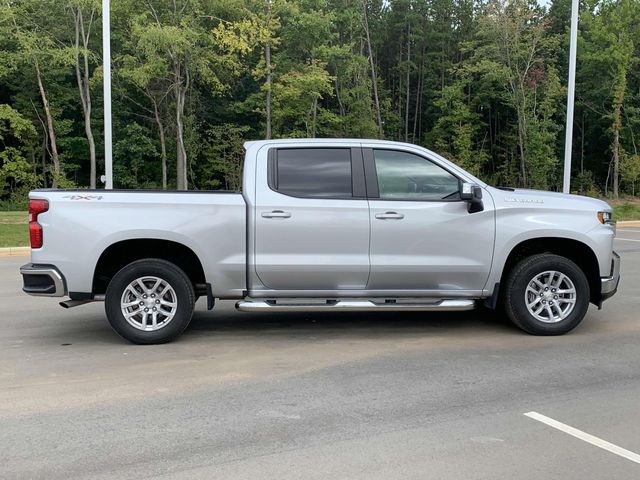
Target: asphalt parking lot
{"x":319,"y":396}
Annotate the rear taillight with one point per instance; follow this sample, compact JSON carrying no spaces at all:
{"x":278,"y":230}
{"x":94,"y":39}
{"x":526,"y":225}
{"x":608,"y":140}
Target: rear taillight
{"x":36,"y":207}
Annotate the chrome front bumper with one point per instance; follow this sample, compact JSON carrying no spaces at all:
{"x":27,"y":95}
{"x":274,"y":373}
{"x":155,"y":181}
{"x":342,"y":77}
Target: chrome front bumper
{"x":610,"y":283}
{"x":43,"y":280}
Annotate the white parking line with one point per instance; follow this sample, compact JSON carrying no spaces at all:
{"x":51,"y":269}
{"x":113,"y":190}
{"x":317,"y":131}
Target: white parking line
{"x":598,"y":442}
{"x":628,"y":230}
{"x":627,"y":239}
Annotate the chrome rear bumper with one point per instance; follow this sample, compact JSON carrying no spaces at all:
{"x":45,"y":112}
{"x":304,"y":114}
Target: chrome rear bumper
{"x":43,"y":280}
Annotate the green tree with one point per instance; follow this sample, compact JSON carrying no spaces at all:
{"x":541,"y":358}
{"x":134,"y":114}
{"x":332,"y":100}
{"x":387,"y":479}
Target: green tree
{"x":83,"y":14}
{"x":512,"y":50}
{"x":223,"y":157}
{"x":630,"y":170}
{"x":455,"y":131}
{"x":191,"y":45}
{"x":30,"y":46}
{"x":17,"y":139}
{"x":479,"y":81}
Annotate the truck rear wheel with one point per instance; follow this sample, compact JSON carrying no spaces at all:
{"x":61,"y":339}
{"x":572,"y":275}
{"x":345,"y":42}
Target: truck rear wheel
{"x":546,"y":294}
{"x":150,"y":301}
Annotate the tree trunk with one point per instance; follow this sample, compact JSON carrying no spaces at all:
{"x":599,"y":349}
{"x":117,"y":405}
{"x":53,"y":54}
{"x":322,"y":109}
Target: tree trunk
{"x":180,"y":89}
{"x":82,"y":78}
{"x":50,"y":129}
{"x":522,"y":135}
{"x":408,"y":90}
{"x":34,"y":162}
{"x":338,"y":97}
{"x":181,"y":154}
{"x":616,"y":151}
{"x":417,"y":111}
{"x":374,"y":77}
{"x":163,"y":143}
{"x":314,"y":117}
{"x":618,"y":100}
{"x":582,"y":145}
{"x":267,"y":61}
{"x":45,"y":147}
{"x":45,"y":150}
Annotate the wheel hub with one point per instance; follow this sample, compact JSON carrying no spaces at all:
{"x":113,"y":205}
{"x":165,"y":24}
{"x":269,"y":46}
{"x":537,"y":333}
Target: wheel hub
{"x":550,"y":296}
{"x":149,"y":303}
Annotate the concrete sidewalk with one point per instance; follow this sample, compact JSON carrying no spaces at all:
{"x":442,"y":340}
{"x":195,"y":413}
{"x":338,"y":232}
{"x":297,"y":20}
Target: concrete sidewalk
{"x":629,"y":224}
{"x":15,"y":251}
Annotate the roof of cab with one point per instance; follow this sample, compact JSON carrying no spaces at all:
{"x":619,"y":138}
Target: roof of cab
{"x":252,"y":143}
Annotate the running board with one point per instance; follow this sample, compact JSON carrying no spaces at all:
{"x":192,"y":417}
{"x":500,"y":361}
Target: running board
{"x":354,"y":305}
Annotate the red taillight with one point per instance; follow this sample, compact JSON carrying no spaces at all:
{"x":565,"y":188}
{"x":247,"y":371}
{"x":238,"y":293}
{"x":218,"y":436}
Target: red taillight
{"x":36,"y":207}
{"x":35,"y":234}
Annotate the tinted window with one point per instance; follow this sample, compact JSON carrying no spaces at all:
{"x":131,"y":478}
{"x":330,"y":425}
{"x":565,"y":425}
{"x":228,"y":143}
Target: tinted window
{"x":404,"y":176}
{"x":314,"y":172}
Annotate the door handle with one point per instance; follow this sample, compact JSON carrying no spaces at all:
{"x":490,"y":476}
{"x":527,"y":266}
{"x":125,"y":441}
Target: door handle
{"x":276,"y":214}
{"x":389,"y":216}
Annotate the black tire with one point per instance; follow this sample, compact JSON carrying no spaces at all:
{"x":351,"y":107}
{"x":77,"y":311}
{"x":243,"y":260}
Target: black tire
{"x":169,"y":273}
{"x":519,"y":278}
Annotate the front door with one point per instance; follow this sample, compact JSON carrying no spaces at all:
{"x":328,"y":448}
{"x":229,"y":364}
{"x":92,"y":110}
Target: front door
{"x":312,"y":221}
{"x":422,"y":236}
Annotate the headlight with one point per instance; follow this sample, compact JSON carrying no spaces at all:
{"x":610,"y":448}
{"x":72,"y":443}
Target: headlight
{"x":605,"y":218}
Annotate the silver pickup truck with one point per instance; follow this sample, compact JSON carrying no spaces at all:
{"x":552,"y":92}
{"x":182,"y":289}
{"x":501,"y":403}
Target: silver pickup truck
{"x":325,"y":225}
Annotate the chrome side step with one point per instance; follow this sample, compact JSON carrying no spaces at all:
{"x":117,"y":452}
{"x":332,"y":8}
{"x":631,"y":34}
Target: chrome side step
{"x":289,"y":305}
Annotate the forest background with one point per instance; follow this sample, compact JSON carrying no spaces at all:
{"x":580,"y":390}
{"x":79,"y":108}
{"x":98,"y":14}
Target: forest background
{"x":481,"y":82}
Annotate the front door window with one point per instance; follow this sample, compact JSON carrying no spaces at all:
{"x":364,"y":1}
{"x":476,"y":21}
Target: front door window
{"x":404,"y":176}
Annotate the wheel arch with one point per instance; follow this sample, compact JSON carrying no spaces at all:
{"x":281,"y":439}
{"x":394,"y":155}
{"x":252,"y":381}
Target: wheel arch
{"x":122,"y":253}
{"x":576,"y":251}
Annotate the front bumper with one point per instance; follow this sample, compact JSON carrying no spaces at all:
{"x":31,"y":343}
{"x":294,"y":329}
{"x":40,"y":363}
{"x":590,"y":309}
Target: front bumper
{"x":610,"y":284}
{"x":43,"y":280}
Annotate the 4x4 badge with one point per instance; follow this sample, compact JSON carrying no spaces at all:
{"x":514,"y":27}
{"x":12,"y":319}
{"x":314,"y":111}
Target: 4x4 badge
{"x":83,"y":197}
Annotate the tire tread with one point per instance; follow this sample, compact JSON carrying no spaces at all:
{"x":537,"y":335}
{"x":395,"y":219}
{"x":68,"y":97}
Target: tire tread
{"x":138,"y":268}
{"x":513,"y":296}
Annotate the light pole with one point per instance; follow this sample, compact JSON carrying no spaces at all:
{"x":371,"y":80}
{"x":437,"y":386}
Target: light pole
{"x":571,"y":90}
{"x":106,"y":69}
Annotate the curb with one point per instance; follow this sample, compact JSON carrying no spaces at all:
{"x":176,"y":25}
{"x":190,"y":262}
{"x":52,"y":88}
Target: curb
{"x":15,"y":252}
{"x":629,"y":224}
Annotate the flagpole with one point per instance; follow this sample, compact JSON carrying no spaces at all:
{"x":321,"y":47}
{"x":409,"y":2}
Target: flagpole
{"x":106,"y":69}
{"x":571,"y":90}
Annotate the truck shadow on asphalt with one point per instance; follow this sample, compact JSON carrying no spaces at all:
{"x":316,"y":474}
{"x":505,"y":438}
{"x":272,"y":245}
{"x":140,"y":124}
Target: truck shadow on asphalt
{"x":224,"y":323}
{"x":228,"y":325}
{"x":345,"y":324}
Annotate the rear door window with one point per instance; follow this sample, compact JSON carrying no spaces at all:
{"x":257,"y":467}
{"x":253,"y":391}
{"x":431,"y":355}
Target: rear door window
{"x":312,"y":172}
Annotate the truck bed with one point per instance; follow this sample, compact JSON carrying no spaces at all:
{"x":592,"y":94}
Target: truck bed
{"x":82,"y":224}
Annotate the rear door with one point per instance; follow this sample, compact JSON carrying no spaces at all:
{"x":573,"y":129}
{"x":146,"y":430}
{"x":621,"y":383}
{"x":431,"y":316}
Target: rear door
{"x":422,"y":236}
{"x":312,"y":221}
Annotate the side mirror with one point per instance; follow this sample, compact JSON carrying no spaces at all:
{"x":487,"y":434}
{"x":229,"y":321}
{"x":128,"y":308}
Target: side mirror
{"x":472,"y":194}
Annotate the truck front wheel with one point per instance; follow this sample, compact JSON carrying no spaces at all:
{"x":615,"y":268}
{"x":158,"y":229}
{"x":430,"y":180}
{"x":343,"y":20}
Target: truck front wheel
{"x":150,"y":301}
{"x":546,"y":294}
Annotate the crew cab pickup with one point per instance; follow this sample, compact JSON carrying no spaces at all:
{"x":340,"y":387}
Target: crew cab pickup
{"x":325,"y":225}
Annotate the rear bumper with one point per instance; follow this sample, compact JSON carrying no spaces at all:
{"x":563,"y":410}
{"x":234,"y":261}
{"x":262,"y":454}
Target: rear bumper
{"x":43,"y":280}
{"x":610,"y":284}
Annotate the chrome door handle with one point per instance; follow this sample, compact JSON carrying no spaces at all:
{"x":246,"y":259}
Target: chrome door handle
{"x":276,"y":214}
{"x":389,"y":216}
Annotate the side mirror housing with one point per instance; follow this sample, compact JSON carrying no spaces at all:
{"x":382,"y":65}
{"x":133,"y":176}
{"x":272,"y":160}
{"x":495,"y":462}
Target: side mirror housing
{"x":472,"y":194}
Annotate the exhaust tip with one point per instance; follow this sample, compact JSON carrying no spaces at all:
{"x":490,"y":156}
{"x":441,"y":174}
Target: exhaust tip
{"x":74,"y":303}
